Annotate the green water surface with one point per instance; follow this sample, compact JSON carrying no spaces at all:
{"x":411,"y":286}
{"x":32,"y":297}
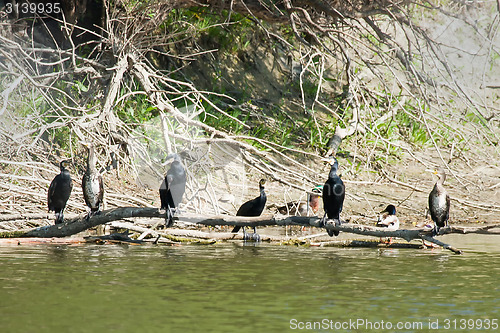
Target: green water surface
{"x":248,"y":288}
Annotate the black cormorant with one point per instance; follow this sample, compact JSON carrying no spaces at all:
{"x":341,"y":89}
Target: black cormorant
{"x":388,"y":218}
{"x":172,"y":189}
{"x":439,"y":202}
{"x":92,"y":186}
{"x":59,"y":192}
{"x":253,"y":207}
{"x":333,"y":196}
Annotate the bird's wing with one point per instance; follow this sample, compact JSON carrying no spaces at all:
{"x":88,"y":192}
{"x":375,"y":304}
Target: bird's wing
{"x":243,"y":210}
{"x":169,"y":179}
{"x":447,"y":207}
{"x":50,"y":193}
{"x":84,"y":181}
{"x":387,"y":220}
{"x":84,"y":189}
{"x":342,"y":195}
{"x":101,"y":188}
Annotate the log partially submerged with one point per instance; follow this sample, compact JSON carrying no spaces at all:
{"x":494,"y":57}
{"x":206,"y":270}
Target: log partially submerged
{"x":82,"y":223}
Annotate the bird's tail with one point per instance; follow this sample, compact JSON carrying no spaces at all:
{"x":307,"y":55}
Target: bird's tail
{"x":236,"y":229}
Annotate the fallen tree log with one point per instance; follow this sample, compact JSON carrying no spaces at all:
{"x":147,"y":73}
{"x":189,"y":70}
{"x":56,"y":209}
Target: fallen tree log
{"x":212,"y":236}
{"x":181,"y":237}
{"x":81,"y":223}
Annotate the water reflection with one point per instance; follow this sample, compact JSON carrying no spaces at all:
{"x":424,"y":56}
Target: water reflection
{"x":237,"y":287}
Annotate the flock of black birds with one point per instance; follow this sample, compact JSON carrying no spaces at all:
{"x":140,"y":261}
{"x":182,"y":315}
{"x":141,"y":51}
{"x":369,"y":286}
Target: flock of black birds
{"x":62,"y":184}
{"x":174,"y":185}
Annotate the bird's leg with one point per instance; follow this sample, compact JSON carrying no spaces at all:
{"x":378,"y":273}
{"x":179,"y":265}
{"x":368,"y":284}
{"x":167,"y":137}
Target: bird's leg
{"x":322,"y":221}
{"x":89,"y":213}
{"x":173,"y":210}
{"x":435,"y":231}
{"x":255,"y":236}
{"x":387,"y":241}
{"x":168,"y":217}
{"x":99,"y":209}
{"x":60,"y":217}
{"x":251,"y":236}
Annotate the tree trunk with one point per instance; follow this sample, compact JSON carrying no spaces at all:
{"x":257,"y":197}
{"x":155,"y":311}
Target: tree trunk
{"x":79,"y":224}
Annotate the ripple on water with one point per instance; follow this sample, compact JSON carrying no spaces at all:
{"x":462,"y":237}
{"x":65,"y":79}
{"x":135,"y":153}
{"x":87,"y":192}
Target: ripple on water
{"x":240,"y":288}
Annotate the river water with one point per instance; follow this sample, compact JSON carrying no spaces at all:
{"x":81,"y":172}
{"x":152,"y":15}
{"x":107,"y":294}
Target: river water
{"x":250,"y":288}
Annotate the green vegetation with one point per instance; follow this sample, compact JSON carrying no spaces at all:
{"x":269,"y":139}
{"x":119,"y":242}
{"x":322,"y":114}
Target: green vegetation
{"x":137,"y":110}
{"x":251,"y":71}
{"x":206,"y":27}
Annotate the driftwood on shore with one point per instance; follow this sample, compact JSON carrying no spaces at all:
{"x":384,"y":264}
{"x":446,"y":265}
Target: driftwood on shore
{"x":81,"y":223}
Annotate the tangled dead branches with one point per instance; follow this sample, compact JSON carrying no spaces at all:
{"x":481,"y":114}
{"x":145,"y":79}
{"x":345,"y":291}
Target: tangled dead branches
{"x":395,"y":82}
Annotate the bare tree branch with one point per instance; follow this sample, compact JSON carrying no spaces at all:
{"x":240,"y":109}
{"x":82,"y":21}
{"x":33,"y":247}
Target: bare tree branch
{"x":76,"y":225}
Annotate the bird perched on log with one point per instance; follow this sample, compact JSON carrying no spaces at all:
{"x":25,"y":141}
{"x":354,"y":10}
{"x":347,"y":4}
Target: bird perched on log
{"x":59,"y":192}
{"x":388,"y":218}
{"x":439,"y":202}
{"x":314,"y":198}
{"x":333,"y":196}
{"x":253,"y":207}
{"x":172,"y":189}
{"x":300,"y":208}
{"x":92,"y":185}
